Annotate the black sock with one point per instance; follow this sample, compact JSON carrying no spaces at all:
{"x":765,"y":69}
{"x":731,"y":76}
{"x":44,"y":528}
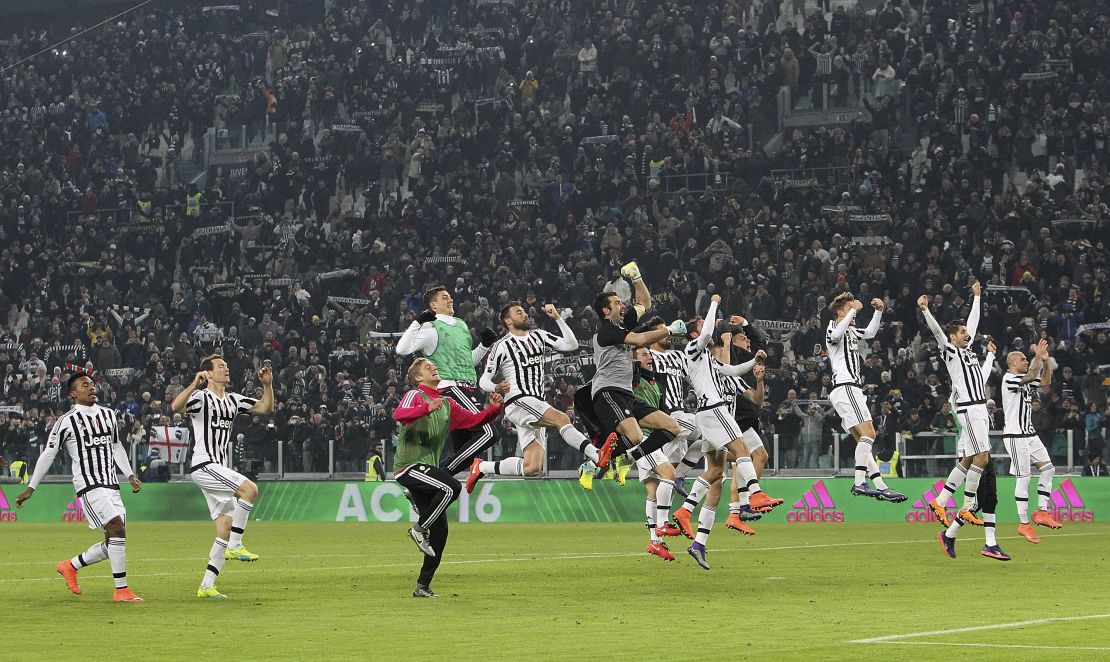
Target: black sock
{"x":656,"y":440}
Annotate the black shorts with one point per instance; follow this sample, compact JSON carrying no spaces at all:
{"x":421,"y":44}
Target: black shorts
{"x":748,"y":423}
{"x":611,"y":406}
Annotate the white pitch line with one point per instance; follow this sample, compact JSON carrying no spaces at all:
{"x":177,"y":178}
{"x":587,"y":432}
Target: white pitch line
{"x":977,"y":628}
{"x":941,"y":643}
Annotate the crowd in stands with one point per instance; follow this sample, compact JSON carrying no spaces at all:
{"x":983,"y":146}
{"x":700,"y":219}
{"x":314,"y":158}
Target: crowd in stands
{"x":525,"y":151}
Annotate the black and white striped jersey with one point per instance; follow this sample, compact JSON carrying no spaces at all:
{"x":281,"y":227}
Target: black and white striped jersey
{"x":212,"y":417}
{"x":673,"y":368}
{"x":708,"y":381}
{"x":1017,"y":404}
{"x":844,"y":357}
{"x":521,"y":360}
{"x":969,"y":381}
{"x":91,"y":437}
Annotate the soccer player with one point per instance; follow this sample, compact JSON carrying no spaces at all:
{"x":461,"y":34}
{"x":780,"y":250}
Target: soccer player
{"x":427,"y":418}
{"x":1021,"y":382}
{"x":90,"y":435}
{"x":671,"y":368}
{"x":230,"y":495}
{"x":519,"y":356}
{"x":842,"y":340}
{"x":445,"y":339}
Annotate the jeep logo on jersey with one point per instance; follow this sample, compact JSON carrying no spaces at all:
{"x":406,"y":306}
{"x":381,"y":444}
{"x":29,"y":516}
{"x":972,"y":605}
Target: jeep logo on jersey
{"x":6,"y":512}
{"x":222,"y":424}
{"x":816,"y":505}
{"x":100,"y":440}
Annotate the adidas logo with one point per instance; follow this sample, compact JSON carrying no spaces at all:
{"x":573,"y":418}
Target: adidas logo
{"x":921,"y":511}
{"x":6,"y":512}
{"x":1066,"y":505}
{"x":74,"y":512}
{"x":816,"y":505}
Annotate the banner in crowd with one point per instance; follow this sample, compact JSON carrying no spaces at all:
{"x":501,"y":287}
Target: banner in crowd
{"x":776,"y":325}
{"x":1093,"y":326}
{"x":351,"y":301}
{"x":172,"y":443}
{"x":812,"y":502}
{"x":11,"y":409}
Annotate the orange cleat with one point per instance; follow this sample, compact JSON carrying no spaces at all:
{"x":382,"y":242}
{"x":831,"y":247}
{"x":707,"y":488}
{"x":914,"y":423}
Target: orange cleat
{"x":736,"y":524}
{"x":125,"y":595}
{"x":667,"y":530}
{"x":940,"y":513}
{"x":968,"y":517}
{"x":1026,"y":531}
{"x":474,"y":475}
{"x":682,"y":518}
{"x":761,"y":502}
{"x":1042,"y":518}
{"x":606,"y":452}
{"x":69,"y":573}
{"x":660,"y":549}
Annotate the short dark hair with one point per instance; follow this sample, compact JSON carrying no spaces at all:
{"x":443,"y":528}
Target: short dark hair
{"x":953,"y":327}
{"x":601,"y":302}
{"x":209,"y":362}
{"x":72,"y":381}
{"x":505,"y":312}
{"x":431,"y":293}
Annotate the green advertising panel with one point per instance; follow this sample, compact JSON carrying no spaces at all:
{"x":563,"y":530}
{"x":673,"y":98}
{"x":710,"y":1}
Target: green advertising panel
{"x":807,"y":501}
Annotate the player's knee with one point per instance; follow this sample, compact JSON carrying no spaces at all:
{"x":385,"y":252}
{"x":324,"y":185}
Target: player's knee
{"x":532,"y":467}
{"x":672,"y":427}
{"x":248,"y":491}
{"x":116,"y":528}
{"x":981,"y":460}
{"x":558,"y":418}
{"x":759,"y":454}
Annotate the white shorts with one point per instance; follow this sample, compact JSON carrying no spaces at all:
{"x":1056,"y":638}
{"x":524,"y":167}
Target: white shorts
{"x":1024,"y":453}
{"x":523,"y":413}
{"x":687,"y":426}
{"x":752,"y":439}
{"x":851,"y":406}
{"x":645,"y":468}
{"x":974,"y":437}
{"x":218,"y":484}
{"x":718,"y":427}
{"x":102,"y":505}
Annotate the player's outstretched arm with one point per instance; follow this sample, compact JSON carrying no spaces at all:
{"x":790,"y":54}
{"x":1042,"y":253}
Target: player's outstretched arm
{"x":973,"y":317}
{"x":265,"y":404}
{"x":182,"y":400}
{"x":842,"y":326}
{"x":567,"y":341}
{"x":421,"y":336}
{"x":872,"y":328}
{"x":933,"y":324}
{"x":1046,"y":364}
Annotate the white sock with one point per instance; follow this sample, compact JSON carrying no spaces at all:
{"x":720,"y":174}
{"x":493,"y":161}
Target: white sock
{"x":955,"y":478}
{"x":1021,"y":497}
{"x":954,"y":528}
{"x":117,"y":556}
{"x":988,"y":529}
{"x":746,"y":470}
{"x":94,"y":554}
{"x":239,"y":518}
{"x":215,"y":563}
{"x":974,"y":473}
{"x":734,"y":508}
{"x":873,"y":473}
{"x":705,"y":524}
{"x":649,"y":512}
{"x":575,"y":439}
{"x":1044,"y":486}
{"x":863,"y":451}
{"x":510,"y":466}
{"x":695,"y":494}
{"x":742,"y":494}
{"x":663,"y":493}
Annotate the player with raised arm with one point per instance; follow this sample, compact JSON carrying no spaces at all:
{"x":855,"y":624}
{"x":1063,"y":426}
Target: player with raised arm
{"x":671,"y":369}
{"x":91,"y":437}
{"x":1019,"y":386}
{"x":842,"y":340}
{"x":427,"y":419}
{"x":445,"y":339}
{"x":519,"y":356}
{"x":229,"y":494}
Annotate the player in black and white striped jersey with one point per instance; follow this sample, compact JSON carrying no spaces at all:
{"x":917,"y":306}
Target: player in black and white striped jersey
{"x":91,"y":437}
{"x":520,"y":357}
{"x":685,"y":452}
{"x":1020,"y":385}
{"x":230,"y":495}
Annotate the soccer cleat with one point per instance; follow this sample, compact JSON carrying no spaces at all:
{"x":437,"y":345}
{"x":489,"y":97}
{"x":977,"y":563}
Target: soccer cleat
{"x":421,"y":540}
{"x":863,"y":489}
{"x":947,"y":544}
{"x":736,"y":524}
{"x":994,"y":552}
{"x":1026,"y":531}
{"x":623,"y":467}
{"x":682,"y":518}
{"x":606,"y":452}
{"x":586,"y":476}
{"x":680,"y":486}
{"x":762,"y":502}
{"x":212,"y":593}
{"x":631,"y":271}
{"x":940,"y":513}
{"x":69,"y":573}
{"x":125,"y":595}
{"x":660,"y":549}
{"x":749,"y":515}
{"x":667,"y":530}
{"x":888,"y":494}
{"x":240,"y":553}
{"x":698,"y":551}
{"x":474,"y":475}
{"x":968,"y":517}
{"x":422,"y":591}
{"x":1042,"y":518}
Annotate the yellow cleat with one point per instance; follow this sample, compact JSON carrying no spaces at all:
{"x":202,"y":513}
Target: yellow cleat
{"x":210,"y":593}
{"x":623,"y":468}
{"x":586,"y":477}
{"x":240,"y":553}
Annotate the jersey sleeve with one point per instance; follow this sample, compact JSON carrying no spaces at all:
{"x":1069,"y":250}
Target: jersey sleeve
{"x":631,"y":317}
{"x":1012,"y":383}
{"x":195,"y":403}
{"x":242,"y":402}
{"x":609,"y":334}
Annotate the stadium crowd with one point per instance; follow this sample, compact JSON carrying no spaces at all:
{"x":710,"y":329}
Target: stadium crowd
{"x":524,"y":151}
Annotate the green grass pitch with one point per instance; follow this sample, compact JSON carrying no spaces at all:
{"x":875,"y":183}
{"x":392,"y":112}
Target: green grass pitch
{"x":329,"y":591}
